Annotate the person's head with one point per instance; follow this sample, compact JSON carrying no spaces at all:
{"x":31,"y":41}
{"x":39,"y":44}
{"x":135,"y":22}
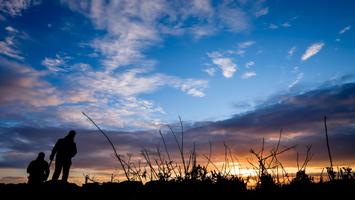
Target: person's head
{"x":41,"y":156}
{"x":71,"y":135}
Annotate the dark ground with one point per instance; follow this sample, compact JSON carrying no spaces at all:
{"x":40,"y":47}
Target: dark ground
{"x":174,"y":190}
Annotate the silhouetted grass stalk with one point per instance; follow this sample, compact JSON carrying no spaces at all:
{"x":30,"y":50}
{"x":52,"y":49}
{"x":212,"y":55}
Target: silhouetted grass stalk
{"x":113,"y":147}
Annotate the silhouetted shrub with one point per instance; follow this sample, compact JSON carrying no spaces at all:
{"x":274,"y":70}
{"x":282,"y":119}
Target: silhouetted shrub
{"x":301,"y":179}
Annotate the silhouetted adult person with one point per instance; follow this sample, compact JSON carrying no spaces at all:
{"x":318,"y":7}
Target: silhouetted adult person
{"x":38,"y":170}
{"x":64,"y":150}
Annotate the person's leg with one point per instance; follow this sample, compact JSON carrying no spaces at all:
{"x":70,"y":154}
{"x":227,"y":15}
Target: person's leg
{"x":66,"y":167}
{"x":58,"y":168}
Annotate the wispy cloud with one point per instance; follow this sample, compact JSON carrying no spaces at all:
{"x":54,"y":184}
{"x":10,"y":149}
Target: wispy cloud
{"x":345,"y":29}
{"x":291,"y":51}
{"x":227,"y":66}
{"x":114,"y":98}
{"x":25,"y":86}
{"x":273,"y":26}
{"x":240,"y":52}
{"x":139,"y":26}
{"x":9,"y":46}
{"x":262,"y":12}
{"x":277,"y":25}
{"x":249,"y":64}
{"x":11,"y":29}
{"x":312,"y":50}
{"x":53,"y":64}
{"x":248,"y":75}
{"x":210,"y":71}
{"x":191,"y":86}
{"x":242,"y":48}
{"x":223,"y":60}
{"x":286,"y":24}
{"x":224,"y":63}
{"x":296,"y":81}
{"x":233,"y":18}
{"x":246,"y":44}
{"x":16,"y":7}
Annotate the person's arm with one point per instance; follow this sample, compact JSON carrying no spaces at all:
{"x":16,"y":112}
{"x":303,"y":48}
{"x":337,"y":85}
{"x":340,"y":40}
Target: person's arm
{"x":54,"y":151}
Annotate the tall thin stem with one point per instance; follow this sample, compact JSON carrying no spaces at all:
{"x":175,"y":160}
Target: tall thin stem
{"x":113,"y":147}
{"x":326,"y":137}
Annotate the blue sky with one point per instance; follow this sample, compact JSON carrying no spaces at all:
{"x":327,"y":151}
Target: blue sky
{"x":135,"y":65}
{"x":204,"y":60}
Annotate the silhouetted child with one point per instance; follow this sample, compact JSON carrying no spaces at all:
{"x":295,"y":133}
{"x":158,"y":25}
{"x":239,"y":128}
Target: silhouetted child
{"x":38,"y":170}
{"x":64,"y":149}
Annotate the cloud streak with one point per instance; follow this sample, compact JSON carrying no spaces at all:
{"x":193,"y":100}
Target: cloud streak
{"x":262,"y":12}
{"x":291,"y":51}
{"x":248,"y":75}
{"x":312,"y":50}
{"x":295,"y":82}
{"x":344,"y":30}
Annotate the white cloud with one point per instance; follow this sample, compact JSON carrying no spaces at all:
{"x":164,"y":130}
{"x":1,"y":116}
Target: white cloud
{"x":9,"y":45}
{"x":81,"y":67}
{"x":242,"y":46}
{"x":113,"y":99}
{"x":135,"y":82}
{"x":233,"y":18}
{"x":192,"y":87}
{"x":312,"y":50}
{"x":240,"y":52}
{"x":210,"y":71}
{"x":280,"y":25}
{"x":246,"y":44}
{"x":214,"y":54}
{"x":16,"y":7}
{"x":295,"y":82}
{"x":116,"y":99}
{"x":8,"y":48}
{"x":249,"y":64}
{"x":133,"y":26}
{"x":11,"y":29}
{"x":345,"y":29}
{"x":286,"y":25}
{"x":262,"y":12}
{"x":273,"y":26}
{"x":53,"y":64}
{"x":248,"y":75}
{"x":291,"y":51}
{"x":225,"y":64}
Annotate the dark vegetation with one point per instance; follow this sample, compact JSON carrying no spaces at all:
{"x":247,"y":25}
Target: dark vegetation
{"x":161,"y":177}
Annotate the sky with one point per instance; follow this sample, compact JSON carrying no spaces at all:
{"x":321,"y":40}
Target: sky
{"x":235,"y":71}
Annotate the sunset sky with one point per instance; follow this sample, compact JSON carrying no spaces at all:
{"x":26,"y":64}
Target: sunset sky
{"x":235,"y":71}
